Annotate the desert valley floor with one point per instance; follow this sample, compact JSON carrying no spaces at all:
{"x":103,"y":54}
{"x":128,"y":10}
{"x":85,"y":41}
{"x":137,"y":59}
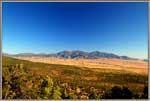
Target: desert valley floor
{"x":135,"y":66}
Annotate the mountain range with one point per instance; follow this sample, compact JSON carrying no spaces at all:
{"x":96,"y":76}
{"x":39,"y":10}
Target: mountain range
{"x":73,"y":54}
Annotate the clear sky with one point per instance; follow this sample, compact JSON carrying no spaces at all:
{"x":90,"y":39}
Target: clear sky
{"x":120,"y":28}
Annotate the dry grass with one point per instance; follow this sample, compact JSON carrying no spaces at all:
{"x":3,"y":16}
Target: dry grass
{"x":135,"y":66}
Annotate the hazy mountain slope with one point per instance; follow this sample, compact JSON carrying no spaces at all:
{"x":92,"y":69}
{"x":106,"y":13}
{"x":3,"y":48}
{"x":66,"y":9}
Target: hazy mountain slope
{"x":74,"y":54}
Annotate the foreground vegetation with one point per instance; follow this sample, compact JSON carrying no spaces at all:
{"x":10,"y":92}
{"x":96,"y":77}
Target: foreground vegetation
{"x":30,"y":80}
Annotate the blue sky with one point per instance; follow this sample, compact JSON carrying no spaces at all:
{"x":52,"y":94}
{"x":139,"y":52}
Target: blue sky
{"x":119,"y":28}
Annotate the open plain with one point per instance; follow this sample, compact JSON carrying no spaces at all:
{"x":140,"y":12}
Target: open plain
{"x":135,"y":66}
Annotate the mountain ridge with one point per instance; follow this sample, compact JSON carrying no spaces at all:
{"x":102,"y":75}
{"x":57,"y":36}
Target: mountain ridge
{"x":73,"y":54}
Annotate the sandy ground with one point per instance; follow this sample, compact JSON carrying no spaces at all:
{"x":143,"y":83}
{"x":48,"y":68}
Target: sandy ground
{"x":136,"y":66}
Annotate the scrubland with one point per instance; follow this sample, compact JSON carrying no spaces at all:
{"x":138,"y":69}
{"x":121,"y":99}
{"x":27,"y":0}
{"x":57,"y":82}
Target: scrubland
{"x":53,"y":78}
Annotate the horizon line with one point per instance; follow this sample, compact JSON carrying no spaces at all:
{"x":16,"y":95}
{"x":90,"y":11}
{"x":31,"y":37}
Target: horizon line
{"x":47,"y":53}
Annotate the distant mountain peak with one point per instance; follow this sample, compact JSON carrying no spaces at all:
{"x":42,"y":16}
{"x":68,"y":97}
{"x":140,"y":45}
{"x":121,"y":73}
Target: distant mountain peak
{"x":73,"y":54}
